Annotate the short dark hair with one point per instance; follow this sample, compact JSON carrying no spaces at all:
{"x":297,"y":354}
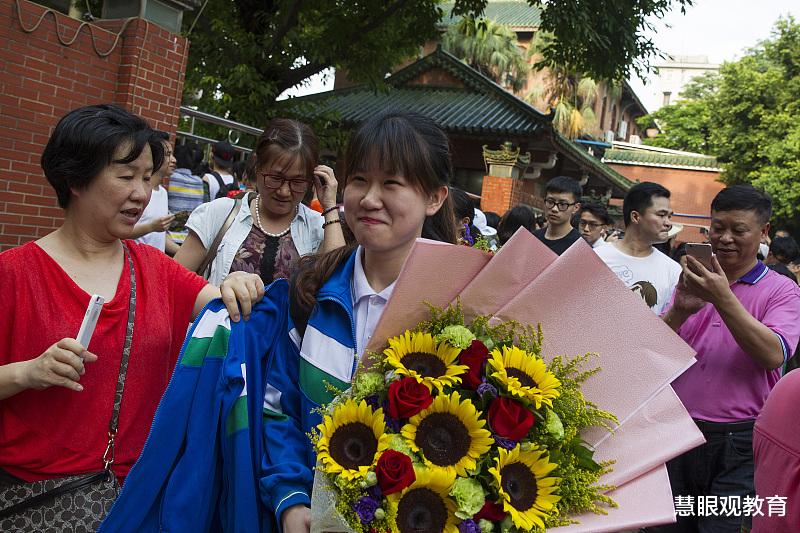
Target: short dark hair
{"x":598,"y":211}
{"x":785,"y":249}
{"x":85,"y":141}
{"x":640,"y":197}
{"x":520,"y":216}
{"x":188,"y":155}
{"x":744,"y":198}
{"x":565,"y":184}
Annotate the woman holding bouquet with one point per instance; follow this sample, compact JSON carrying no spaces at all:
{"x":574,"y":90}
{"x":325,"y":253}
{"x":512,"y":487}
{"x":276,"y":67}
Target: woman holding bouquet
{"x":397,"y":169}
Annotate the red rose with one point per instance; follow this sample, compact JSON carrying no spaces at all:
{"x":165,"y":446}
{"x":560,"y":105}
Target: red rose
{"x":395,"y":472}
{"x":490,"y":511}
{"x":474,"y":357}
{"x":510,"y":419}
{"x":407,"y":397}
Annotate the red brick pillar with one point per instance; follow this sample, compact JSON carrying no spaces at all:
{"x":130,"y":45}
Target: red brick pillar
{"x":51,"y":64}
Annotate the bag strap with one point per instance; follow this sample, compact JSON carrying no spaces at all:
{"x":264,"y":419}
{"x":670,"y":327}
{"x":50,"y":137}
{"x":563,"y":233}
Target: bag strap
{"x":220,"y":181}
{"x":113,"y":424}
{"x":75,"y":484}
{"x":211,"y":253}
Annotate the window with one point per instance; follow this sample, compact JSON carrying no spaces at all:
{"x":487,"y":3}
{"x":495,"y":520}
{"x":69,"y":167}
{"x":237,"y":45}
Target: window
{"x":667,"y":95}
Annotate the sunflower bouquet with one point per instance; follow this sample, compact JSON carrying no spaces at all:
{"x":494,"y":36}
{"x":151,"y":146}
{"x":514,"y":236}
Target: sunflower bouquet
{"x":459,"y":426}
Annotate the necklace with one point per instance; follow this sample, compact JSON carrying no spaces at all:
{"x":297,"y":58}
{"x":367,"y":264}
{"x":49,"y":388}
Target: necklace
{"x":258,"y":221}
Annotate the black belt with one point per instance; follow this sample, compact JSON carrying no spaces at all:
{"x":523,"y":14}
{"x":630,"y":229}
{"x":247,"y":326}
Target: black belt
{"x":724,"y":427}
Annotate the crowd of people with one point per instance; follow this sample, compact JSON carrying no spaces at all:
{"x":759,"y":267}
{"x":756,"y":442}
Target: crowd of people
{"x":235,"y":227}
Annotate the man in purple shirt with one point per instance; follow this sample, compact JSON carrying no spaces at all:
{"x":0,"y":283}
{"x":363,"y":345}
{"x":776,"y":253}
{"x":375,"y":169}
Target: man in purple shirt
{"x":743,"y":320}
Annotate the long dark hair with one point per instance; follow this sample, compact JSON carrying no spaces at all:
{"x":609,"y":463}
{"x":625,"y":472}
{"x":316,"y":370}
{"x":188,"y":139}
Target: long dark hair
{"x":400,"y":143}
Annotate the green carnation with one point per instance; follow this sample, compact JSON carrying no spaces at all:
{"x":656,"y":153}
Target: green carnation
{"x":554,"y":425}
{"x":469,"y":497}
{"x":458,"y":336}
{"x":487,"y":526}
{"x":369,"y":383}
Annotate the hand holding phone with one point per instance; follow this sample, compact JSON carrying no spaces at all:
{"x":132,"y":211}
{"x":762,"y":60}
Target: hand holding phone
{"x":702,"y":252}
{"x":86,"y":331}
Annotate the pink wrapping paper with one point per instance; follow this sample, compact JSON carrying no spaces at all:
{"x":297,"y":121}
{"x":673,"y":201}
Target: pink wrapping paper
{"x":583,"y":307}
{"x":658,"y":431}
{"x":645,"y":501}
{"x":638,"y":444}
{"x":515,"y":266}
{"x":434,"y":273}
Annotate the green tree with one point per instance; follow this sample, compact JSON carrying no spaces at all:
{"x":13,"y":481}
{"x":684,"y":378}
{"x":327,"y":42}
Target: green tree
{"x":748,"y":119}
{"x":489,"y":48}
{"x":244,"y":53}
{"x":686,"y":124}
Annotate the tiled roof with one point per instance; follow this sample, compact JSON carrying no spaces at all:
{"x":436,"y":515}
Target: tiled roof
{"x":660,"y":159}
{"x":517,"y":15}
{"x":479,"y":107}
{"x":455,"y":110}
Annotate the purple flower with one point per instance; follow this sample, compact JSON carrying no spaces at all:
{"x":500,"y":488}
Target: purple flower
{"x":468,"y":526}
{"x":468,"y":235}
{"x":365,"y":508}
{"x":503,"y":442}
{"x":373,"y":401}
{"x":486,"y":388}
{"x":375,"y":492}
{"x":392,"y":424}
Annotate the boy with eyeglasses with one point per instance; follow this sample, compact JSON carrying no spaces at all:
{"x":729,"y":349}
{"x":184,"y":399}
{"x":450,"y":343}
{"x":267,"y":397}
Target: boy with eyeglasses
{"x":646,"y":271}
{"x":593,"y":222}
{"x":561,"y":200}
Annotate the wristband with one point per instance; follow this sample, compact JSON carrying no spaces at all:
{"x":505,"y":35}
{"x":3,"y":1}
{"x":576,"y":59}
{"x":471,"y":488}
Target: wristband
{"x":326,"y":211}
{"x":329,"y":222}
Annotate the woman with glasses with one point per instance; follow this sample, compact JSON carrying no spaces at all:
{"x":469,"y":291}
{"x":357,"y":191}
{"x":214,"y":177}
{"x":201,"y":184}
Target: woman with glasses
{"x":269,"y":230}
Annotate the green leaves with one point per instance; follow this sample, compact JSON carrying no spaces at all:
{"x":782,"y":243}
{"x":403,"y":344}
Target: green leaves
{"x":747,"y":117}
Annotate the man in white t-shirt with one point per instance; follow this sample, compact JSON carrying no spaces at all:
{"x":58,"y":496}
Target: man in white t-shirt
{"x":152,"y":226}
{"x":648,"y":272}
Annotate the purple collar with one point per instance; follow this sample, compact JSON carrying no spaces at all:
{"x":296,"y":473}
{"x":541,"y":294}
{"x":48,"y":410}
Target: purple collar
{"x":756,"y":274}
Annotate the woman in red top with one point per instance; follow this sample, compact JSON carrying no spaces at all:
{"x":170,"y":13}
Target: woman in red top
{"x":56,"y":397}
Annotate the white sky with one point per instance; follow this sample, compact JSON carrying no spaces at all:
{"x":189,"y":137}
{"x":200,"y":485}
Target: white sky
{"x":719,"y":29}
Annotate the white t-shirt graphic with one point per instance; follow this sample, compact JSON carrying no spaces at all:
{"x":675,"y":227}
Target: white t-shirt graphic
{"x":653,"y":277}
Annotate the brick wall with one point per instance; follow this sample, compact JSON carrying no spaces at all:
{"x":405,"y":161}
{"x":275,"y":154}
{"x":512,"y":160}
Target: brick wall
{"x":501,"y":194}
{"x":691,"y":192}
{"x":51,"y":64}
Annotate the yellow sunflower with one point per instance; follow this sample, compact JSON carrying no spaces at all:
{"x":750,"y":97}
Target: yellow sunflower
{"x":417,"y":355}
{"x":524,"y":375}
{"x":449,"y":434}
{"x":351,"y":440}
{"x":527,"y":492}
{"x":425,"y":505}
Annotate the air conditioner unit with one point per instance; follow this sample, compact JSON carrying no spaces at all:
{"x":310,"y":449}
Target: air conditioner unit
{"x":635,"y":139}
{"x":623,"y":129}
{"x":609,"y":136}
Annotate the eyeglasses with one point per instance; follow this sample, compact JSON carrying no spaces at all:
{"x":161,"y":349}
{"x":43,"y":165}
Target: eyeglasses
{"x":591,"y":225}
{"x":276,"y":181}
{"x":562,"y":205}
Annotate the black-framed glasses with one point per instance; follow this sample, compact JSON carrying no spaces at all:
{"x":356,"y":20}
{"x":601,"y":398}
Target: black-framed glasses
{"x":562,"y":205}
{"x":587,"y":224}
{"x":276,"y":181}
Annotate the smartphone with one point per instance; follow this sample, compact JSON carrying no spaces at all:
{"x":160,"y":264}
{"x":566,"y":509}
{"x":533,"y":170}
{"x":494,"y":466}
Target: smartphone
{"x":86,"y":331}
{"x":700,"y":251}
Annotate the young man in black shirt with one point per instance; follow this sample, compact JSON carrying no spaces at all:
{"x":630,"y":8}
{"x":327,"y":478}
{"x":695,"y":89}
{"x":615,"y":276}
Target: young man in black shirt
{"x":561,"y":200}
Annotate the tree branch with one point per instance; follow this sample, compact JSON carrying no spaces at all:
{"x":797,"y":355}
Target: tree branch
{"x":288,"y":23}
{"x":295,"y":76}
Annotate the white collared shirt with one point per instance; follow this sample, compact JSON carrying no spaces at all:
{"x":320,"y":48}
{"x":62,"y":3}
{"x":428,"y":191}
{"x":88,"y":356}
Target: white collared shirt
{"x":207,"y":219}
{"x":368,"y":305}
